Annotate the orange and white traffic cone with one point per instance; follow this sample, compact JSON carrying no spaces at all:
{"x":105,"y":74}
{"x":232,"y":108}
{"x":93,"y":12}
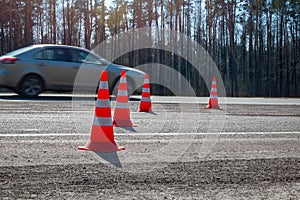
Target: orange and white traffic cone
{"x":102,"y":133}
{"x":122,"y":111}
{"x":213,"y":99}
{"x":145,"y":104}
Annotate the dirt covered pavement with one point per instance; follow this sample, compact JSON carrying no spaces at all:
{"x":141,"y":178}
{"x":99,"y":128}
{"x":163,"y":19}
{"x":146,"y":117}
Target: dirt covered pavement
{"x":222,"y":179}
{"x":256,"y":155}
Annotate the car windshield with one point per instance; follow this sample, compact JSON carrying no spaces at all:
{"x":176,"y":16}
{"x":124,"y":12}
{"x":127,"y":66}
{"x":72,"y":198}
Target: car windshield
{"x":19,"y":51}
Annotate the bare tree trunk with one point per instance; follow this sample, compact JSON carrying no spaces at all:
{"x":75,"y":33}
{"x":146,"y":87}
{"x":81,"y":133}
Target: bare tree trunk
{"x":256,"y":52}
{"x":87,"y":25}
{"x":28,"y":23}
{"x":231,"y":13}
{"x":251,"y":66}
{"x":54,"y":22}
{"x":268,"y":54}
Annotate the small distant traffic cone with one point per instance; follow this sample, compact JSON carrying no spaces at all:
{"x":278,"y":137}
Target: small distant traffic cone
{"x":213,"y":99}
{"x":102,"y":133}
{"x":122,"y":111}
{"x":145,"y":104}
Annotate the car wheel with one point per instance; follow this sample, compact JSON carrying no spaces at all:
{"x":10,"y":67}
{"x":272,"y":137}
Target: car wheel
{"x":30,"y":86}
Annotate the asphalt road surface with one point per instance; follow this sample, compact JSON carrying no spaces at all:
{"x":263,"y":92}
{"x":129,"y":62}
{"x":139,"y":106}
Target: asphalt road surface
{"x":250,"y":149}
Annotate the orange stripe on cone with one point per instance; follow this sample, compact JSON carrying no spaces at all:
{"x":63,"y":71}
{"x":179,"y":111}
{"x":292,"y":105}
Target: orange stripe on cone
{"x":122,"y":99}
{"x":103,"y":93}
{"x":122,"y":86}
{"x":103,"y":112}
{"x":102,"y":133}
{"x":145,"y":103}
{"x":213,"y":99}
{"x":122,"y":111}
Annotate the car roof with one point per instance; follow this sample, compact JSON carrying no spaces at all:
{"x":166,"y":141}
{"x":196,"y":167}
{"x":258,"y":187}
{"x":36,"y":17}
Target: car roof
{"x":57,"y":45}
{"x":38,"y":46}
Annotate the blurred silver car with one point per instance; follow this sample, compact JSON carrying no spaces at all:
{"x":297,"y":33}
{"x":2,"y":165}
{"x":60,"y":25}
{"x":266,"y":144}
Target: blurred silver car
{"x":38,"y":68}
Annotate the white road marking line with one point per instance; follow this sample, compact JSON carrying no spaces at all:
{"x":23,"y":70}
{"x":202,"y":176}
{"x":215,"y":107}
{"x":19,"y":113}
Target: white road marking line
{"x":159,"y":141}
{"x":169,"y":99}
{"x":143,"y":134}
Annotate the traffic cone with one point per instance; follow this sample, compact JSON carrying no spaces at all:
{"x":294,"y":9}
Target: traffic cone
{"x":145,"y":104}
{"x":102,"y":133}
{"x":213,"y":99}
{"x":122,"y":111}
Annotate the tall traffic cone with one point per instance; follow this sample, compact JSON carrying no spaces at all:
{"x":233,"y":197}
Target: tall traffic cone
{"x":145,"y":104}
{"x":102,"y":133}
{"x":213,"y":99}
{"x":122,"y":111}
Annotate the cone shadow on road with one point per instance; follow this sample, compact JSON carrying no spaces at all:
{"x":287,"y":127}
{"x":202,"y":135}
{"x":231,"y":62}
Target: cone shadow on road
{"x":152,"y":113}
{"x":111,"y":157}
{"x":129,"y":128}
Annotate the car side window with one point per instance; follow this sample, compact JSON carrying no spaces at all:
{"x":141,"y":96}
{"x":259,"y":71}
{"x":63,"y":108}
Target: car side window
{"x":76,"y":56}
{"x":68,"y":55}
{"x":51,"y":54}
{"x":81,"y":57}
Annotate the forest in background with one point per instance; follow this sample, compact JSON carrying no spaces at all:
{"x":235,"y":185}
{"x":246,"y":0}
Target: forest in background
{"x":254,"y":43}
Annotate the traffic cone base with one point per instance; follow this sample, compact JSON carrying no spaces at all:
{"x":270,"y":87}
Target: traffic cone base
{"x":146,"y":107}
{"x":213,"y":105}
{"x":104,"y":147}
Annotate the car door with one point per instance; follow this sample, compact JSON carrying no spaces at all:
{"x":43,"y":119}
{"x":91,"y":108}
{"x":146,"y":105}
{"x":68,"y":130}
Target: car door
{"x":58,"y":70}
